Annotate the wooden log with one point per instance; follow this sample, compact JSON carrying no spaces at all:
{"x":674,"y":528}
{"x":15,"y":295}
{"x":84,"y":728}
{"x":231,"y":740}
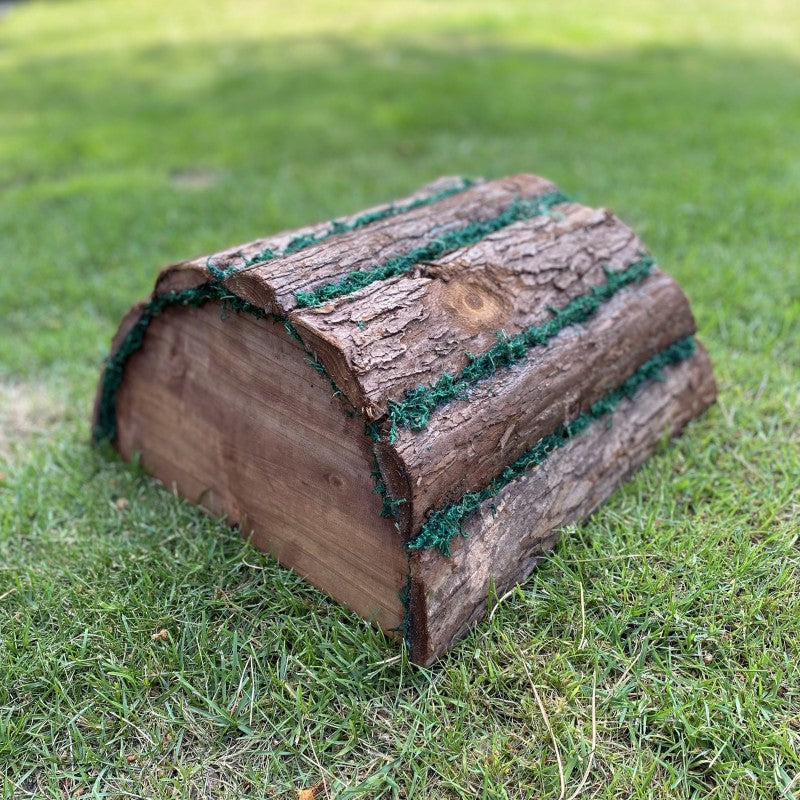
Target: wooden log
{"x":406,"y":403}
{"x":274,"y":284}
{"x":513,"y":531}
{"x":194,"y":271}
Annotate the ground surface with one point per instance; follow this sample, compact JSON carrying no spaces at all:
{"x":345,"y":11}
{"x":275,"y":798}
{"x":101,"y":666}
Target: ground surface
{"x":145,"y":651}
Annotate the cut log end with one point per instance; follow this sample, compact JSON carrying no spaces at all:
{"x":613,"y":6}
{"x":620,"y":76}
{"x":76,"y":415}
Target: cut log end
{"x":224,"y":409}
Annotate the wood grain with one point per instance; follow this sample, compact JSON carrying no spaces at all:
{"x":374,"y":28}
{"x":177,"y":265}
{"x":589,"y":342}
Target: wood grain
{"x":225,"y":410}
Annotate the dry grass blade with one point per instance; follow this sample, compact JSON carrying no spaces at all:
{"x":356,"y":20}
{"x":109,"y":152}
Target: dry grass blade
{"x":590,"y":760}
{"x":549,"y":727}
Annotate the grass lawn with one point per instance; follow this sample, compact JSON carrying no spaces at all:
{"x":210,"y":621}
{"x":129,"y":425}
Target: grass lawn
{"x":656,"y":654}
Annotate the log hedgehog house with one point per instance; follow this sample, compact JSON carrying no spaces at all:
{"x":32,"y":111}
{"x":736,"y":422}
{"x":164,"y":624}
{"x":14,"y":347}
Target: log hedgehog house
{"x":405,"y":405}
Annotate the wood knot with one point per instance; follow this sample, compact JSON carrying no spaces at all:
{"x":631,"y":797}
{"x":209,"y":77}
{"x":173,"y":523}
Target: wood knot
{"x":335,"y":481}
{"x":474,"y":299}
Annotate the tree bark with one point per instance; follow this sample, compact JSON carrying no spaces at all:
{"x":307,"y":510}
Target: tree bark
{"x":395,"y":335}
{"x":273,"y":284}
{"x":194,"y":271}
{"x":309,"y":269}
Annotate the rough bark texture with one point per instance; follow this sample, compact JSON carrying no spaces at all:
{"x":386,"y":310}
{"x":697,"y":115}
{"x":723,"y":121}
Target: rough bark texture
{"x":467,"y":442}
{"x":394,"y":335}
{"x":512,"y":532}
{"x":330,"y":261}
{"x":273,"y":284}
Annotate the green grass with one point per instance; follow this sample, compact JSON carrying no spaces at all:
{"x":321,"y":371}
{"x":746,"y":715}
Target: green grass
{"x":133,"y":134}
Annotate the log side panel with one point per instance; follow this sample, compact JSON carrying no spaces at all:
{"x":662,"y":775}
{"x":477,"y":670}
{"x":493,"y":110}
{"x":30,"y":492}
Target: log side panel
{"x":226,"y":411}
{"x":395,"y":335}
{"x":467,"y":442}
{"x":516,"y":528}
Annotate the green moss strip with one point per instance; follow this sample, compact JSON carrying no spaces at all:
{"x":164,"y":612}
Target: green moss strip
{"x":338,"y":227}
{"x":388,"y":504}
{"x":445,"y":523}
{"x":415,"y":410}
{"x":469,"y":234}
